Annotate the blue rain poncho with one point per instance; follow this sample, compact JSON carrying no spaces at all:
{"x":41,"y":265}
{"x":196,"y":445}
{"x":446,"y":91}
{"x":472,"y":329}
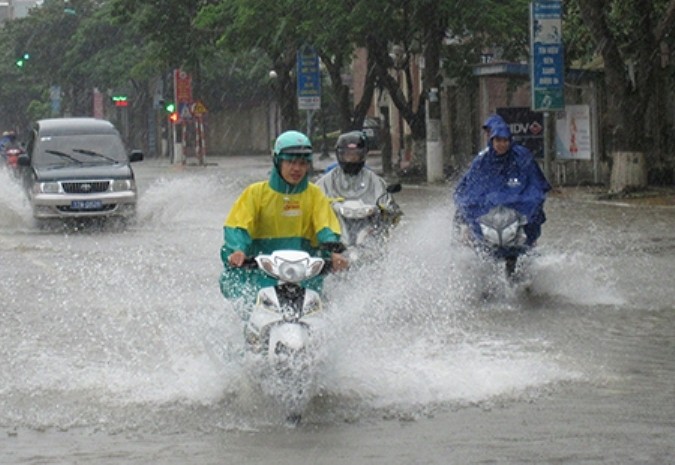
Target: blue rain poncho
{"x":513,"y":179}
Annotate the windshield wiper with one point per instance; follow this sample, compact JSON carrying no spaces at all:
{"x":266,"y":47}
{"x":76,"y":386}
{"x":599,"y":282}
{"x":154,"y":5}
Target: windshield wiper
{"x":95,"y":154}
{"x":63,"y":155}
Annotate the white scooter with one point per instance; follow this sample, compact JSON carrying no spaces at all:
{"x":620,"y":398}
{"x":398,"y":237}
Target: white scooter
{"x":364,"y":226}
{"x":284,"y":329}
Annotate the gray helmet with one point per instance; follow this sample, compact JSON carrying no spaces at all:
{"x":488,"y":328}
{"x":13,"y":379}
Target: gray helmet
{"x":351,"y":149}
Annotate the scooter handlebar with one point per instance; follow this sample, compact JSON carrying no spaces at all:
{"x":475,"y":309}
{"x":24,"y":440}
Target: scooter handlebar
{"x":251,"y":264}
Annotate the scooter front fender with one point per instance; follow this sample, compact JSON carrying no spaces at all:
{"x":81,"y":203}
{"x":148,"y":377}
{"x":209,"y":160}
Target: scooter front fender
{"x":291,"y":337}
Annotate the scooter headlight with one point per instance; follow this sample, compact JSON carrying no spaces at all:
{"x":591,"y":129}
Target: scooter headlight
{"x":510,"y":234}
{"x":293,"y":272}
{"x":491,"y":235}
{"x":357,"y":212}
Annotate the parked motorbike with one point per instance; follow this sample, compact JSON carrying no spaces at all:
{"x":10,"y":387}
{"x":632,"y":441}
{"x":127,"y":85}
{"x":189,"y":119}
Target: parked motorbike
{"x":364,"y":226}
{"x":284,"y":329}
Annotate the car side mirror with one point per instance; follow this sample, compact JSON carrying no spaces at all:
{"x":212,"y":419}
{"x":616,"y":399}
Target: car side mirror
{"x":136,"y":155}
{"x":23,"y":160}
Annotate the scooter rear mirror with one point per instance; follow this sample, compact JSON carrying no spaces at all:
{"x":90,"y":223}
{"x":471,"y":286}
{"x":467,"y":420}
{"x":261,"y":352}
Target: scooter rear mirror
{"x":394,"y":188}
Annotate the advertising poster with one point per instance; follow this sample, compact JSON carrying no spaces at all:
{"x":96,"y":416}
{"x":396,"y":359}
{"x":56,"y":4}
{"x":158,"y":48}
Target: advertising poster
{"x":573,"y":133}
{"x":527,"y":127}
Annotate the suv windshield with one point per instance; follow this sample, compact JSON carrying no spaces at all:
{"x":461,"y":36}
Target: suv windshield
{"x":86,"y":148}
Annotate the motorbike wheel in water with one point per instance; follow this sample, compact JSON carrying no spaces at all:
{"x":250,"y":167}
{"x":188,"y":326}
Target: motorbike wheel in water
{"x":293,"y":370}
{"x":510,"y":266}
{"x":283,"y":329}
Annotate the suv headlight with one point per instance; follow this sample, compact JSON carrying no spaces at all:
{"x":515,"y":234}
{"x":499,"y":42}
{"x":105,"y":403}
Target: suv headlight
{"x":123,"y":185}
{"x":46,"y":188}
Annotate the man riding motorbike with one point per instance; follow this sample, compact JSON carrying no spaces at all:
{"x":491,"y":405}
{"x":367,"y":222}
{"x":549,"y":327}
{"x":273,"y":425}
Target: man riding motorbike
{"x":351,"y":180}
{"x":10,"y":150}
{"x":284,"y":212}
{"x":505,"y":174}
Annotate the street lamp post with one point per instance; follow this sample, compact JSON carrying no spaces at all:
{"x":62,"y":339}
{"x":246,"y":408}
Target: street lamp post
{"x":272,"y":108}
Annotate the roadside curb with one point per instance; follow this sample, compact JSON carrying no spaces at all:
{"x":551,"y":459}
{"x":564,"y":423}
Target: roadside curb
{"x":652,"y":196}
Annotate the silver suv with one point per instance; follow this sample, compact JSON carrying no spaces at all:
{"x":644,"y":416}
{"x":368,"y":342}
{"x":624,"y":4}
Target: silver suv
{"x":78,"y":167}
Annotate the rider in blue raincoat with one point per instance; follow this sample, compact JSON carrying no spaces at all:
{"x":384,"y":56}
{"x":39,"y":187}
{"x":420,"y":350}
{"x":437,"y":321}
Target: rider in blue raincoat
{"x":504,"y":174}
{"x":284,"y":212}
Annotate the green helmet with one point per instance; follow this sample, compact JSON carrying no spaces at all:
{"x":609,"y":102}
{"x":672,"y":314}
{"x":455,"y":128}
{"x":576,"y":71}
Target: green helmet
{"x":292,"y":144}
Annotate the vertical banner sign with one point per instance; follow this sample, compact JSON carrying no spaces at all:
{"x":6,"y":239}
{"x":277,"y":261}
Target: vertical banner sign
{"x":547,"y":61}
{"x":309,"y":79}
{"x":573,"y":133}
{"x":182,"y":88}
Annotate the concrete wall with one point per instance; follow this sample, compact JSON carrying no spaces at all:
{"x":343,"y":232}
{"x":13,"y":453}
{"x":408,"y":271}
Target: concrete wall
{"x":239,"y":131}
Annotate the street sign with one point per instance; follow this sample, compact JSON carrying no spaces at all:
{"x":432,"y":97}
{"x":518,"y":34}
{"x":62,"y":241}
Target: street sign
{"x":309,"y":79}
{"x":182,"y":92}
{"x":547,"y":70}
{"x":184,"y":111}
{"x":198,"y":108}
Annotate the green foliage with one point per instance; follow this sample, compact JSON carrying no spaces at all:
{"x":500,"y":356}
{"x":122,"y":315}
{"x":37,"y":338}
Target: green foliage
{"x":230,"y":78}
{"x":230,"y":46}
{"x":38,"y":109}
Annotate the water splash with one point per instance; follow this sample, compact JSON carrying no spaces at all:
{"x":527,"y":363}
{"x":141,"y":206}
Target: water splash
{"x":149,"y":342}
{"x":15,"y":210}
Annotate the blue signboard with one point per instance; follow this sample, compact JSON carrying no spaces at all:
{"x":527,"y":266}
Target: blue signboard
{"x":309,"y":79}
{"x":547,"y":71}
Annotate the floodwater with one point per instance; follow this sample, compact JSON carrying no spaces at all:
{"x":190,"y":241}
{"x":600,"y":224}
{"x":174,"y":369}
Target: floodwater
{"x":117,"y":347}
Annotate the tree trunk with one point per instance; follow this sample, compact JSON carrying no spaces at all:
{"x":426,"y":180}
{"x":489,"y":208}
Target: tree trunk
{"x":629,"y":172}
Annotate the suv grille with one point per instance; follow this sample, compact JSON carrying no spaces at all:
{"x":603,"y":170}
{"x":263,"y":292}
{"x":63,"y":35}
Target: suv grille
{"x":85,"y":187}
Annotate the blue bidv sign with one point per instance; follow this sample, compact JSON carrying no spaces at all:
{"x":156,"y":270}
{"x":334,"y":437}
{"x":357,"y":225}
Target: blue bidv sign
{"x":309,"y":79}
{"x":547,"y":64}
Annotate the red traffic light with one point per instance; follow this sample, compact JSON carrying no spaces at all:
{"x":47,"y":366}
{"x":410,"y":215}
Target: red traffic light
{"x":173,"y":117}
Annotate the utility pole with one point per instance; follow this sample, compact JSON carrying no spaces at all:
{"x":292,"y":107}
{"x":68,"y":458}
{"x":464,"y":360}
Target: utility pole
{"x":434,"y":145}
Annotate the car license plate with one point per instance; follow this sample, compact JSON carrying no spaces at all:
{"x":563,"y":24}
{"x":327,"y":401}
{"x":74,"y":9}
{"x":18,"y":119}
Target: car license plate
{"x":86,"y":204}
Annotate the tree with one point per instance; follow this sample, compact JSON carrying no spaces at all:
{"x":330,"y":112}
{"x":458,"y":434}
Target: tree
{"x":421,"y":28}
{"x":44,"y":36}
{"x":278,"y":30}
{"x":635,"y":41}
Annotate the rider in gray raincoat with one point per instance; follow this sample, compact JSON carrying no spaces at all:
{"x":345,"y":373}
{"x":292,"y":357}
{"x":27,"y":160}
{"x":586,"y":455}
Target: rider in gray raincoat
{"x":351,"y":180}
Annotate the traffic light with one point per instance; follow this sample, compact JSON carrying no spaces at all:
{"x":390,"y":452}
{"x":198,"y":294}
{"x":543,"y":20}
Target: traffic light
{"x":20,"y":62}
{"x":170,"y":109}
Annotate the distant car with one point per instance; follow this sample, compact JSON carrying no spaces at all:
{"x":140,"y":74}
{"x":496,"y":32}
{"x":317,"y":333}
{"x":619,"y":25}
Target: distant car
{"x":78,"y":167}
{"x":373,"y":131}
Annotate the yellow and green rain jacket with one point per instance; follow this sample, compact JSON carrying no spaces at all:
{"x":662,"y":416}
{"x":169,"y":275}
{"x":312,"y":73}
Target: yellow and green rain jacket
{"x":274,"y":215}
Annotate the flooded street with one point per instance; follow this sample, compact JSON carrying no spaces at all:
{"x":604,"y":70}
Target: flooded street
{"x":118,"y":348}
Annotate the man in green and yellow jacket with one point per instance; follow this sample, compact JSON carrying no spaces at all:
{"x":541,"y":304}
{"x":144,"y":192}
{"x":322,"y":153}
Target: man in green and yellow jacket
{"x":284,"y":212}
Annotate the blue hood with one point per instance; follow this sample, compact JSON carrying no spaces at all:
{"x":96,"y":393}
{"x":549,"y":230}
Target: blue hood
{"x":492,"y":121}
{"x":500,"y":130}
